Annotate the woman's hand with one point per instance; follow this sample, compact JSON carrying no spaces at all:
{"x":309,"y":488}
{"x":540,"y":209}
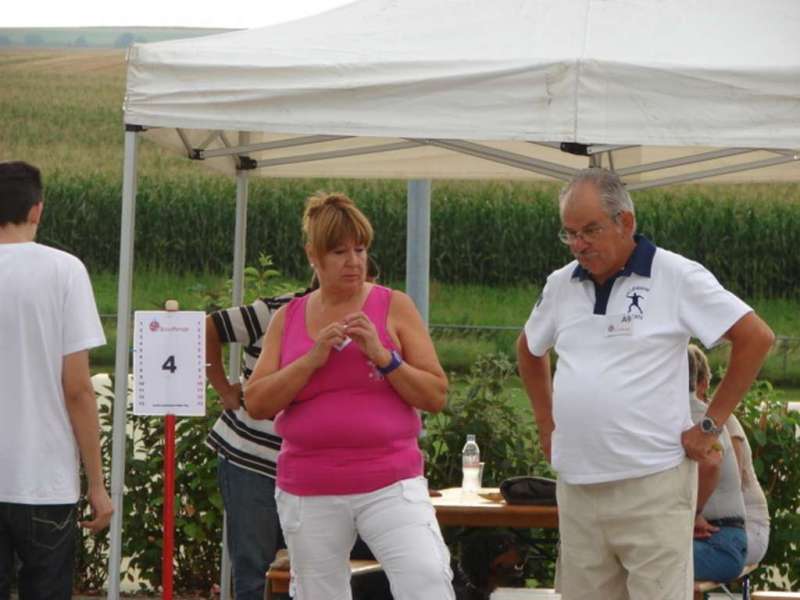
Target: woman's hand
{"x":329,"y":336}
{"x":703,"y":529}
{"x":362,"y":331}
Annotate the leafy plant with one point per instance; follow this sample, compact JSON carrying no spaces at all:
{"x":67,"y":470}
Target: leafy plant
{"x":198,"y":503}
{"x":772,"y":431}
{"x":507,"y":438}
{"x":259,"y":282}
{"x":506,"y":435}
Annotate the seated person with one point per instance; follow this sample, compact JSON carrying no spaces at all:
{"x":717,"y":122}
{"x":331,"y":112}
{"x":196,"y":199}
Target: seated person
{"x":720,"y":542}
{"x":756,"y":518}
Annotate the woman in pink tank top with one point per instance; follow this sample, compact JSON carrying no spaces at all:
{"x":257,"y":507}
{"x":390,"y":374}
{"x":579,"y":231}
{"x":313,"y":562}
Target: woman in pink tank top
{"x":345,"y":371}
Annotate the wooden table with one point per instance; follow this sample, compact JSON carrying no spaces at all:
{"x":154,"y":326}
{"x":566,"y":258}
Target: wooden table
{"x":454,"y":507}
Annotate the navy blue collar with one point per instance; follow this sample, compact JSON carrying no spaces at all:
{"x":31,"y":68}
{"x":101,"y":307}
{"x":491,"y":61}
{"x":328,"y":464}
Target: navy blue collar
{"x":639,"y":262}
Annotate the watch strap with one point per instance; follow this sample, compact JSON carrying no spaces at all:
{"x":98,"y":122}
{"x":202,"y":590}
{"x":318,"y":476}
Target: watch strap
{"x":396,"y":361}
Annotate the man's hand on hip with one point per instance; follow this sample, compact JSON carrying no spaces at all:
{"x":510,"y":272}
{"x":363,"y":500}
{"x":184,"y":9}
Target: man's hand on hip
{"x":701,"y":446}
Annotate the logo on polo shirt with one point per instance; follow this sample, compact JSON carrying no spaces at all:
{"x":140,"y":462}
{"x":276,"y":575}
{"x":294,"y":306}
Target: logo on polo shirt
{"x":636,"y":300}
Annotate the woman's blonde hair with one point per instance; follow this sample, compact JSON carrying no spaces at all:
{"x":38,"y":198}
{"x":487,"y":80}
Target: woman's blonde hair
{"x":333,"y":219}
{"x":698,"y":367}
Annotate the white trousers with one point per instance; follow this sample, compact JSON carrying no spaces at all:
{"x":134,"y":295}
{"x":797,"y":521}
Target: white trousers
{"x":397,"y":522}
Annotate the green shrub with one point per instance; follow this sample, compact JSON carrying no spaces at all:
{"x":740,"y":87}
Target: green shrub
{"x":198,"y":503}
{"x":507,"y":437}
{"x":773,"y":434}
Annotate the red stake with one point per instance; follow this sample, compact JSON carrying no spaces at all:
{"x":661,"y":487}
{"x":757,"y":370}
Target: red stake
{"x":169,"y":510}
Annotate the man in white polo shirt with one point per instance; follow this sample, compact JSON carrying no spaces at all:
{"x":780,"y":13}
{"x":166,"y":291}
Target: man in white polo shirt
{"x":616,"y":412}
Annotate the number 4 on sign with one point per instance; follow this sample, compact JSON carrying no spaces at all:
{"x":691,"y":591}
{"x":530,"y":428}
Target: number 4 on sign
{"x":169,"y":364}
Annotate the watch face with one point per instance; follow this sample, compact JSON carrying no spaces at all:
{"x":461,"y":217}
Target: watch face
{"x":707,"y":425}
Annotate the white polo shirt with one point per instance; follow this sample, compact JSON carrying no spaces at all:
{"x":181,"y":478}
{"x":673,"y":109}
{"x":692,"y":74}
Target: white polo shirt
{"x":620,"y":386}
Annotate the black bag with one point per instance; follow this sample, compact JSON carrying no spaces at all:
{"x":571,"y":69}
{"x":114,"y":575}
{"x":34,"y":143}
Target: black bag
{"x":529,"y":489}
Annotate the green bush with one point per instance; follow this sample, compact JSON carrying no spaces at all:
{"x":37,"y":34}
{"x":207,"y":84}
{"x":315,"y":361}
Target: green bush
{"x":483,"y":406}
{"x":198,"y":503}
{"x":773,"y":434}
{"x":508,"y":441}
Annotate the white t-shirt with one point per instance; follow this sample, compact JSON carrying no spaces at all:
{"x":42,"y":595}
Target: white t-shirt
{"x":755,"y":502}
{"x":726,"y":499}
{"x":47,"y":311}
{"x":619,"y":391}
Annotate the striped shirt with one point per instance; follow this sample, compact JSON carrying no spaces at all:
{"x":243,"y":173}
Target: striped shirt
{"x":248,"y":443}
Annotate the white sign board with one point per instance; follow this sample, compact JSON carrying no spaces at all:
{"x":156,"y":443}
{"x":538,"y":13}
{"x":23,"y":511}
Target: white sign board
{"x":169,"y":363}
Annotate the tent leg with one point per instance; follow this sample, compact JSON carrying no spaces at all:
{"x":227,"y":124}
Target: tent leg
{"x":235,"y":356}
{"x":418,"y":244}
{"x":127,"y":228}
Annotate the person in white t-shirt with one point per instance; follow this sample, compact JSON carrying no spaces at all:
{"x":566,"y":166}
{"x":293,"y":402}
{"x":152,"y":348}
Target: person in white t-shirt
{"x":614,"y":419}
{"x":48,"y":410}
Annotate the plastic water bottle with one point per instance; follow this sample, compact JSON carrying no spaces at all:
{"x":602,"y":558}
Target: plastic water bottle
{"x":471,"y":465}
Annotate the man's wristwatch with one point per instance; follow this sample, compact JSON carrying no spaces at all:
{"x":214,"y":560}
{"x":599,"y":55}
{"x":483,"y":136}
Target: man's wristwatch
{"x":709,"y":425}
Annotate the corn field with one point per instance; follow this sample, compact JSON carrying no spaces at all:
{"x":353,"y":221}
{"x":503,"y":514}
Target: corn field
{"x":481,"y":233}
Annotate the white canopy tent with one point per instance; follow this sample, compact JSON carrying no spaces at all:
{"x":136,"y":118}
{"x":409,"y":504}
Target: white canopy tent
{"x":662,"y":92}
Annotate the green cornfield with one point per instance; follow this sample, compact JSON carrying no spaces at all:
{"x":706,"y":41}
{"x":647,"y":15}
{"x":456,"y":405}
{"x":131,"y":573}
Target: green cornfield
{"x":481,"y":233}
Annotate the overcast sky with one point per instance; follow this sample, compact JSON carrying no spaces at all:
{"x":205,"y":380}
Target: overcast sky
{"x":160,"y":13}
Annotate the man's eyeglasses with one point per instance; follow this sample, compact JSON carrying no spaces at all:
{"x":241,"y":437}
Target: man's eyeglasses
{"x":588,"y":234}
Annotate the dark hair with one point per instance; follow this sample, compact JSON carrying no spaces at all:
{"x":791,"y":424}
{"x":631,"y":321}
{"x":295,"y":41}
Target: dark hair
{"x":20,"y":190}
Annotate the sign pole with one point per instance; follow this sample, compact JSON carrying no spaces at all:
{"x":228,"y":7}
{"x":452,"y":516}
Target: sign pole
{"x":169,"y":382}
{"x":169,"y":506}
{"x":169,"y":494}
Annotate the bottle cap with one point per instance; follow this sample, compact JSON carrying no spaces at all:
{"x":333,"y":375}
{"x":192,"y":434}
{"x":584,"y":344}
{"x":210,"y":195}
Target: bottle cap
{"x":470,"y":437}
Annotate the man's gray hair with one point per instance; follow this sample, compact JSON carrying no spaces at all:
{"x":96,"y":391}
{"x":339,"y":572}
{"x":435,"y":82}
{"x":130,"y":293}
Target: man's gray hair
{"x":612,"y":190}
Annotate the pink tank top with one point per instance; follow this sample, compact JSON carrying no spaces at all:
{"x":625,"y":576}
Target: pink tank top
{"x":347,"y":431}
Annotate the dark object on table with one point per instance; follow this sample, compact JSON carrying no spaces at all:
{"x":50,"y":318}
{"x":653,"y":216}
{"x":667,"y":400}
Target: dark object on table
{"x":528,"y":489}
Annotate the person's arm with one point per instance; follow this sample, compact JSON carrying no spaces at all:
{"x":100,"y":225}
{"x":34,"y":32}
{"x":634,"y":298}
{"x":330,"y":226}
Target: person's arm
{"x":535,"y":374}
{"x":81,"y":406}
{"x":708,"y":474}
{"x":751,"y":338}
{"x":229,"y":393}
{"x":420,"y":380}
{"x":271,"y":388}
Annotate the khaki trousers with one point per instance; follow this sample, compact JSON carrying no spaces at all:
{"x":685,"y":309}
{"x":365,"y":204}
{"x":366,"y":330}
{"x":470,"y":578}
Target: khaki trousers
{"x":628,"y":539}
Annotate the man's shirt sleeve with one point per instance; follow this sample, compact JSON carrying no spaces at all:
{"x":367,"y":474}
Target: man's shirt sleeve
{"x":705,"y":308}
{"x":541,"y":325}
{"x":82,"y":327}
{"x":242,"y":324}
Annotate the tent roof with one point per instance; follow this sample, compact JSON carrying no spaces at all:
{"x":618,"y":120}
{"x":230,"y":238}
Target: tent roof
{"x":459,"y":88}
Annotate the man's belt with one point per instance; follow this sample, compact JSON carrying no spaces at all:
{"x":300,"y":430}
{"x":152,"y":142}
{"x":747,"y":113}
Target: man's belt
{"x":728,"y":522}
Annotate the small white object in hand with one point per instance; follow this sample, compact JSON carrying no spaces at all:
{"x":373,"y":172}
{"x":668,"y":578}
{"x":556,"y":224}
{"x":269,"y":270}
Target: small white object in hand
{"x":343,"y":344}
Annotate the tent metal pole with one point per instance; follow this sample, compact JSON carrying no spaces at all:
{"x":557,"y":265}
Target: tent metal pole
{"x":758,"y":164}
{"x":343,"y":153}
{"x":683,"y":160}
{"x":418,"y":244}
{"x":202,"y":153}
{"x":235,"y":355}
{"x":504,"y":157}
{"x":121,"y":369}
